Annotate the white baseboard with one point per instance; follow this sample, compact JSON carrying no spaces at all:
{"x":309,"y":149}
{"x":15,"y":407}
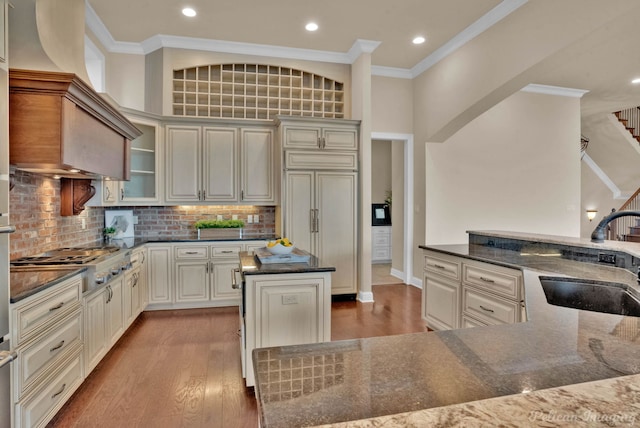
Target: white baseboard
{"x":416,"y":282}
{"x":397,"y":273}
{"x":365,"y":296}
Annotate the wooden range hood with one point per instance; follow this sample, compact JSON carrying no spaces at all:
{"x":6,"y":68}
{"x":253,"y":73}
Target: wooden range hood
{"x":59,"y":126}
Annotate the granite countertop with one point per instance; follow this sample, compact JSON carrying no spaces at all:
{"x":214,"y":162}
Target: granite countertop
{"x":442,"y":375}
{"x":28,"y":283}
{"x":250,"y":265}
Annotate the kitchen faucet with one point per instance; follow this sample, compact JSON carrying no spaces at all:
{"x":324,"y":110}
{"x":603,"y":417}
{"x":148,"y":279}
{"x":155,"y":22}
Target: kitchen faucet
{"x":598,"y":233}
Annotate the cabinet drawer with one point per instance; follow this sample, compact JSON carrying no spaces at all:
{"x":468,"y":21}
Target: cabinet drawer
{"x":37,"y":358}
{"x":40,"y":407}
{"x":252,"y":246}
{"x":45,"y":308}
{"x":225,"y":251}
{"x":324,"y":160}
{"x":496,"y":279}
{"x":190,"y":252}
{"x":488,"y":308}
{"x":381,"y":254}
{"x":442,"y":265}
{"x":381,"y":240}
{"x":468,"y":322}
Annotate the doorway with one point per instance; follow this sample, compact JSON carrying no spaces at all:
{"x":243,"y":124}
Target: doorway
{"x":392,"y":181}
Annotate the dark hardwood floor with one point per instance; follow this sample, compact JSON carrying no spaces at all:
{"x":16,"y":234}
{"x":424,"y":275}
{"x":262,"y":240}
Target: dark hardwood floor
{"x":182,"y":368}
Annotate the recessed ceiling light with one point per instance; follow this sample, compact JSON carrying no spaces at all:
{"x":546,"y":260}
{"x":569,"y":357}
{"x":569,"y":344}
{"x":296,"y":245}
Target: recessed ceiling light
{"x":418,"y":40}
{"x":190,"y":12}
{"x":636,"y":80}
{"x":312,"y":26}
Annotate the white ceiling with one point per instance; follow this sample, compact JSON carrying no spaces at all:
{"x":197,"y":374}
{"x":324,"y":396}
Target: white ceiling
{"x":602,"y":63}
{"x":281,"y":23}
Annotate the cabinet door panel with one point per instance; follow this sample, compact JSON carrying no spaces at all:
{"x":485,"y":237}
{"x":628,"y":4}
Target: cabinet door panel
{"x":340,"y":139}
{"x":95,"y":333}
{"x":298,"y":205}
{"x":160,"y":275}
{"x":301,"y":138}
{"x":289,"y":315}
{"x":220,"y":152}
{"x":442,"y":303}
{"x":336,"y":201}
{"x":222,"y":280}
{"x":183,"y":163}
{"x":115,"y":314}
{"x":257,"y":165}
{"x":191,"y":282}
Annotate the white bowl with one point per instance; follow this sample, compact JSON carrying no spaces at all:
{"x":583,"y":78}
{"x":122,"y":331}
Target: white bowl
{"x":280,"y":249}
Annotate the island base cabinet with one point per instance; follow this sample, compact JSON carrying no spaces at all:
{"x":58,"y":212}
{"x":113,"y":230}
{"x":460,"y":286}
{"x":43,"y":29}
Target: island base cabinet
{"x":281,"y":310}
{"x":442,"y":303}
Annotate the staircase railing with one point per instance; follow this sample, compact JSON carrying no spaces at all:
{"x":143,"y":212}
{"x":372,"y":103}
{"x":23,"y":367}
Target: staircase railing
{"x":630,"y":118}
{"x":619,"y":228}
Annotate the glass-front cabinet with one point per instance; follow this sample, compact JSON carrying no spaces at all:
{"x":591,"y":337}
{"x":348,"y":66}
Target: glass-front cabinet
{"x":143,"y":187}
{"x":143,"y":183}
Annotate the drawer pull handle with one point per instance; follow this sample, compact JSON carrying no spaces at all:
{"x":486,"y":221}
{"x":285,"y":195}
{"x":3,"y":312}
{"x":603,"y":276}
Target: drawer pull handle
{"x":487,"y":279}
{"x":226,"y":252}
{"x":486,"y":309}
{"x":58,"y":346}
{"x":439,"y":266}
{"x":64,"y":385}
{"x":191,"y":252}
{"x":56,"y":307}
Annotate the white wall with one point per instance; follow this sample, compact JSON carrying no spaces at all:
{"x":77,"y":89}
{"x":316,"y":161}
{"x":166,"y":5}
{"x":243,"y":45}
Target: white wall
{"x":515,"y":168}
{"x":595,"y":195}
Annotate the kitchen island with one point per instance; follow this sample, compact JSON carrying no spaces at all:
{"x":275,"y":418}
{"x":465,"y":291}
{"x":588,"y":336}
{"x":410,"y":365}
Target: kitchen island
{"x":282,"y":304}
{"x":561,"y":361}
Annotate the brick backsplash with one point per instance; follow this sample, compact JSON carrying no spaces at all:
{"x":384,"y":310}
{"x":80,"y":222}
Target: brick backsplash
{"x":177,"y":222}
{"x":34,"y":208}
{"x":35,"y":211}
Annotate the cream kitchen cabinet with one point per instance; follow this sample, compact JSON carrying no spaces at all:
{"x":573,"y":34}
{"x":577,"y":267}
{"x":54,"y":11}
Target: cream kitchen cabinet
{"x":381,"y":244}
{"x":220,"y":165}
{"x":460,"y":292}
{"x":284,"y":309}
{"x":202,"y":274}
{"x":104,"y":321}
{"x":144,"y":186}
{"x":320,"y":216}
{"x":139,"y":260}
{"x":492,"y":294}
{"x":48,"y":336}
{"x":441,"y":291}
{"x":160,"y":274}
{"x":132,"y":296}
{"x":318,"y":134}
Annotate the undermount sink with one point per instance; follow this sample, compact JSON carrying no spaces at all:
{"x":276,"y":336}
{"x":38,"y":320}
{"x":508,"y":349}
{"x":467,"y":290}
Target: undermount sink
{"x":589,"y":295}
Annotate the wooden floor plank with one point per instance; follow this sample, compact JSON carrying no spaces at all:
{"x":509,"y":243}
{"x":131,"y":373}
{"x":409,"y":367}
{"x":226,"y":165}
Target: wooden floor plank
{"x":182,"y":368}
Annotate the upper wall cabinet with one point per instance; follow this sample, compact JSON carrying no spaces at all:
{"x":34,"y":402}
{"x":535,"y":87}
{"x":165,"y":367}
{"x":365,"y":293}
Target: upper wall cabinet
{"x":318,"y":134}
{"x":143,"y":187}
{"x":255,"y":91}
{"x":207,"y":164}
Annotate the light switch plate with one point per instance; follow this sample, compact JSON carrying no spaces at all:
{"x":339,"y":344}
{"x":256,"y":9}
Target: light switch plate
{"x":256,"y":218}
{"x":219,"y":217}
{"x":234,"y":217}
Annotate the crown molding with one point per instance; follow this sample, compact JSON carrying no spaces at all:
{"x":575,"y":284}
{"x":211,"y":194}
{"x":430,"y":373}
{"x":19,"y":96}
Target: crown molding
{"x":554,"y":90}
{"x":97,"y":27}
{"x":482,"y":24}
{"x":398,"y":73}
{"x":360,"y":46}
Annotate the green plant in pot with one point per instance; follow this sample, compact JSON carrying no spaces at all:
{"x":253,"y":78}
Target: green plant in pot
{"x":109,"y":233}
{"x":219,"y":228}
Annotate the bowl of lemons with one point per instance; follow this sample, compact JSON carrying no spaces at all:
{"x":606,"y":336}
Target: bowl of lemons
{"x":280,"y":246}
